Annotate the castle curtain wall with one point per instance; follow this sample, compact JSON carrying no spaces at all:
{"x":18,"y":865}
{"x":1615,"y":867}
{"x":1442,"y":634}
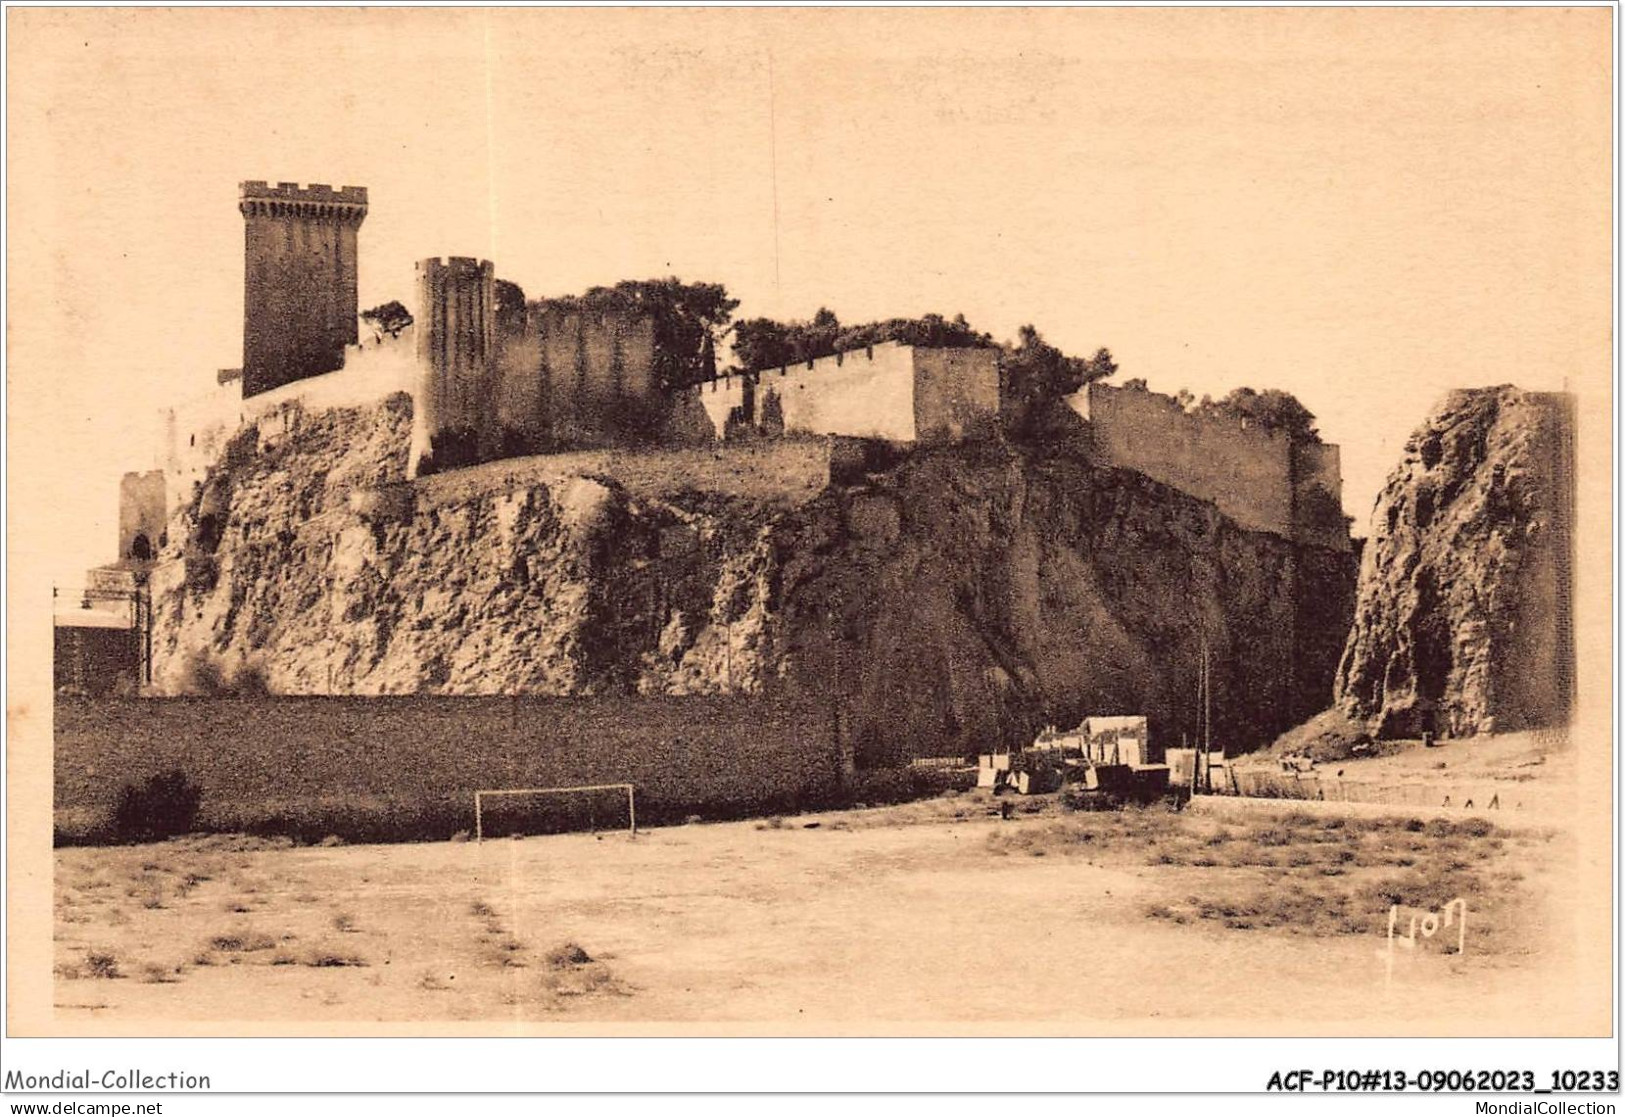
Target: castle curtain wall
{"x":1246,"y":472}
{"x":956,"y":393}
{"x":894,"y":392}
{"x":863,"y":393}
{"x":595,"y":381}
{"x":1317,"y":487}
{"x":521,"y":390}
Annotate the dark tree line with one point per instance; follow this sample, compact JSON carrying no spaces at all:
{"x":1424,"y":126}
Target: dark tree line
{"x":766,"y":343}
{"x":1271,"y":409}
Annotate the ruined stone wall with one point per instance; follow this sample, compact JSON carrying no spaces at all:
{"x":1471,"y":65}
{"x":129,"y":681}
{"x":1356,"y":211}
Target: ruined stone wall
{"x":1317,"y":487}
{"x":521,"y":391}
{"x":143,"y":508}
{"x":867,"y":393}
{"x":894,"y":392}
{"x":192,"y":436}
{"x":730,"y":395}
{"x":1247,"y":472}
{"x":374,"y":369}
{"x":371,"y":370}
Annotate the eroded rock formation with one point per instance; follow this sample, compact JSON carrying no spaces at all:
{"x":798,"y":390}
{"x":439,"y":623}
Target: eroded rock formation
{"x":1462,"y":623}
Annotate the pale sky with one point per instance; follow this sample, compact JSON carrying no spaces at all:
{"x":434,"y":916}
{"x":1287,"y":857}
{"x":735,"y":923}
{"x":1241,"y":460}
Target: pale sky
{"x":1365,"y":207}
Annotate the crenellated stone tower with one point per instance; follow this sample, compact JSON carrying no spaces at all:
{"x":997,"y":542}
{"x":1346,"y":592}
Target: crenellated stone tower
{"x":299,"y":279}
{"x":456,"y":344}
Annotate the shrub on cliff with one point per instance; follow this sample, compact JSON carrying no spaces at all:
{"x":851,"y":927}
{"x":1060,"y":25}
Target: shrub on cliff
{"x":204,"y":674}
{"x":1036,"y":376}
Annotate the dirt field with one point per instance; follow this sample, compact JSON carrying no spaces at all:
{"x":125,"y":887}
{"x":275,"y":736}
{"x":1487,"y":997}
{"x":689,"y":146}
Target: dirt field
{"x":933,"y":914}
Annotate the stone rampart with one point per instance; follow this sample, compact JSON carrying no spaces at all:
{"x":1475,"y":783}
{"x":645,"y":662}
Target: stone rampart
{"x":1246,"y":471}
{"x":891,"y":392}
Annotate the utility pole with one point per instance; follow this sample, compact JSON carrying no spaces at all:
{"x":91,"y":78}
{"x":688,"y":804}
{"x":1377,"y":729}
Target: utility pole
{"x":1207,"y":718}
{"x":1203,"y":706}
{"x":143,"y":625}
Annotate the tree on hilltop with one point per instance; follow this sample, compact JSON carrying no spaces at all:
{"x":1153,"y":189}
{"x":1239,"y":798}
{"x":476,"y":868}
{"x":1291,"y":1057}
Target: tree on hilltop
{"x":509,"y":303}
{"x":1037,"y":375}
{"x":1271,"y":409}
{"x":390,"y":318}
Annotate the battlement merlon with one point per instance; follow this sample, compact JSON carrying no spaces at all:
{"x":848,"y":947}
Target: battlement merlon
{"x":467,"y":266}
{"x":318,"y":199}
{"x":293,"y":192}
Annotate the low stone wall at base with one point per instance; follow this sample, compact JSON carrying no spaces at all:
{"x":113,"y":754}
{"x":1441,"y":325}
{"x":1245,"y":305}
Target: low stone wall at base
{"x":1494,"y":798}
{"x":402,"y":768}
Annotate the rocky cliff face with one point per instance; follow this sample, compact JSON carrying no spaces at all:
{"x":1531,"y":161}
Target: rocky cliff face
{"x":1462,"y":624}
{"x":961,"y":598}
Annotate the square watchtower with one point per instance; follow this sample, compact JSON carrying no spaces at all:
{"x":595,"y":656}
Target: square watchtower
{"x":299,"y":279}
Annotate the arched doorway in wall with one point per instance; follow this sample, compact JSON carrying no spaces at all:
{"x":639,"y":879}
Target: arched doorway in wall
{"x":141,"y":547}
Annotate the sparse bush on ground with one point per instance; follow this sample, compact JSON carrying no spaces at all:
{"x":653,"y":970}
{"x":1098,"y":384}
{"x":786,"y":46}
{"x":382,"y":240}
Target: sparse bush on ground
{"x":101,"y":964}
{"x":242,"y":942}
{"x":1298,"y":872}
{"x":567,"y":954}
{"x":324,"y":957}
{"x":1327,"y":737}
{"x":1297,"y":877}
{"x":163,"y":807}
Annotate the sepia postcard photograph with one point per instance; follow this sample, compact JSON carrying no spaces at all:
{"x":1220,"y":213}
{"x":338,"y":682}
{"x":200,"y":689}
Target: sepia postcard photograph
{"x":811,"y":522}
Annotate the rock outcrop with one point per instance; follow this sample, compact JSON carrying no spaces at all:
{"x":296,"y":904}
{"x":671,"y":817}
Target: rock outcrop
{"x":961,"y":598}
{"x":1462,"y":623}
